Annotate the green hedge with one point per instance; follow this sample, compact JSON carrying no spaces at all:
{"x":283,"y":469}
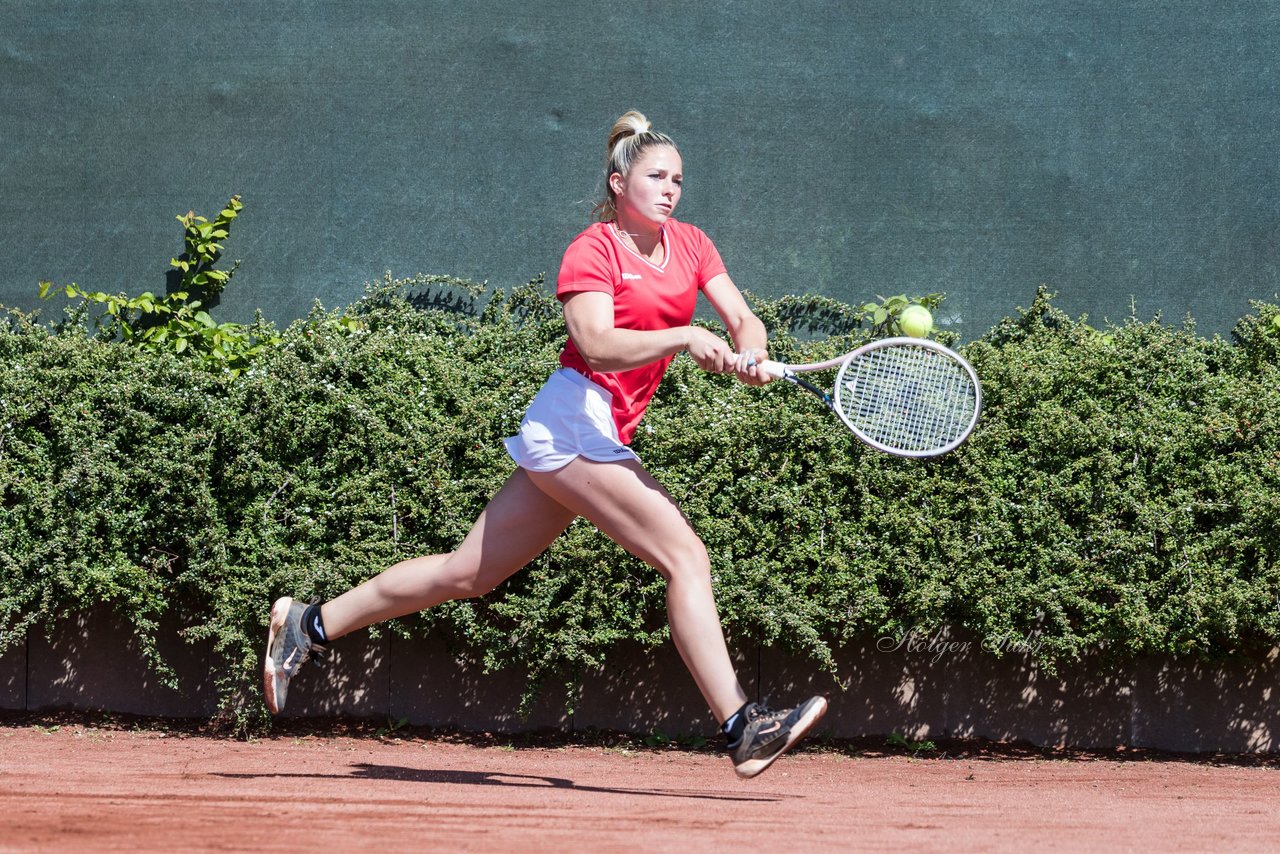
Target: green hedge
{"x":1121,"y":491}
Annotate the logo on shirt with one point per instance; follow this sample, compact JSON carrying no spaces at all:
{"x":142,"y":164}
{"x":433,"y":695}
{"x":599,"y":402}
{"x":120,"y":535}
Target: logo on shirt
{"x":632,"y":276}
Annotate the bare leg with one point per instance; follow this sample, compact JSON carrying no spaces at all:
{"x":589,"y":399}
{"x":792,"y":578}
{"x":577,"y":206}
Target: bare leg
{"x":518,"y":524}
{"x":626,"y":503}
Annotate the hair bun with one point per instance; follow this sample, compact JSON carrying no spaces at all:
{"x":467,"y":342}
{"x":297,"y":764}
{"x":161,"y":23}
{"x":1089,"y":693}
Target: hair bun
{"x":638,"y":122}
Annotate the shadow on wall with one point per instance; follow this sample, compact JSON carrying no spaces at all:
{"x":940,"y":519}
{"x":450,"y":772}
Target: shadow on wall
{"x":943,"y":685}
{"x":947,"y":685}
{"x":94,"y":662}
{"x":1222,"y":706}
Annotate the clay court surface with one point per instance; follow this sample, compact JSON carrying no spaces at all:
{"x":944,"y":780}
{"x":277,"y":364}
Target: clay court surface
{"x":68,"y":785}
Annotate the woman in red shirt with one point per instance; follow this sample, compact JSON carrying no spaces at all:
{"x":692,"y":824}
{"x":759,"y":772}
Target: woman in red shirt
{"x":628,"y":286}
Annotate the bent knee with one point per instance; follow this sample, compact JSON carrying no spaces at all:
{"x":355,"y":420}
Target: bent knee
{"x":689,"y":564}
{"x":466,"y":584}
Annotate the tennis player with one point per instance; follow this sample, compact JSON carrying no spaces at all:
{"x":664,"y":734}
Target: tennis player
{"x":628,"y":286}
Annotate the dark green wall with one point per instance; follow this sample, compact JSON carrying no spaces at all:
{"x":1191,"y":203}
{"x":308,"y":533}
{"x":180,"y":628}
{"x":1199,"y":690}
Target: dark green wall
{"x":1107,"y":149}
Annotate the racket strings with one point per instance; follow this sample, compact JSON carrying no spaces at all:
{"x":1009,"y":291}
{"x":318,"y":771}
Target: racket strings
{"x":907,"y":398}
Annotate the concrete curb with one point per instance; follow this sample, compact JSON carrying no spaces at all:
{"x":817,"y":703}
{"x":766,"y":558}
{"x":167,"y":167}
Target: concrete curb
{"x":941,"y":685}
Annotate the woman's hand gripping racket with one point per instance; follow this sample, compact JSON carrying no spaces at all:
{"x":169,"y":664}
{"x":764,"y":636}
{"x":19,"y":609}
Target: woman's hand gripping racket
{"x":911,"y":397}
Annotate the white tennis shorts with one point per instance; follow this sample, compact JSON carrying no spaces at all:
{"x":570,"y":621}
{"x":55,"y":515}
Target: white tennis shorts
{"x":570,"y":417}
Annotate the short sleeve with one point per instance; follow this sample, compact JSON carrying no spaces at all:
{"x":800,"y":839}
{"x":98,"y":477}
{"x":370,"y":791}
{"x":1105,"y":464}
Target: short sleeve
{"x":710,"y":264}
{"x":586,"y":266}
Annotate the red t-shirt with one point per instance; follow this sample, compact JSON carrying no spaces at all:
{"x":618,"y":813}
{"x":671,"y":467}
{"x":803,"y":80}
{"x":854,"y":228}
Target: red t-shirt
{"x":645,"y":296}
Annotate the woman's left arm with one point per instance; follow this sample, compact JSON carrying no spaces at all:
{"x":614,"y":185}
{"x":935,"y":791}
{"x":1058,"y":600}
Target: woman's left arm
{"x":746,"y":330}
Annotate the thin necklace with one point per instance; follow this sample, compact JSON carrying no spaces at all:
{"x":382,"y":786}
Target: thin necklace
{"x":634,"y":234}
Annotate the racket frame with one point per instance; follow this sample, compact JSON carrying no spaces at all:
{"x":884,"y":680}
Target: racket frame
{"x":790,"y":372}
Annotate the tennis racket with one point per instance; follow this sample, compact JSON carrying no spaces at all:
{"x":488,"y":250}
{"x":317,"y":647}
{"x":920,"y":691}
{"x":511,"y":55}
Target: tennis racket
{"x":910,"y":397}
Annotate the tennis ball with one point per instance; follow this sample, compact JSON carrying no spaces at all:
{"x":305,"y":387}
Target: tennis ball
{"x":915,"y":321}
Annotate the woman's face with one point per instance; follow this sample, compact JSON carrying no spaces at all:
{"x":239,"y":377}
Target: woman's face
{"x":651,"y":190}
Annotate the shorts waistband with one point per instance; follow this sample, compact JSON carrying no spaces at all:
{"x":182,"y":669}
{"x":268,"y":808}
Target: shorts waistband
{"x":581,"y":380}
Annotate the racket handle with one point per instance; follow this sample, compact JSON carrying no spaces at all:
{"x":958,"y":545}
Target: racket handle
{"x":777,"y":369}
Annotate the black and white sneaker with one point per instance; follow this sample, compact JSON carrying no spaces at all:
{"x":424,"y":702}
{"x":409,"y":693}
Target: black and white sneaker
{"x":770,"y":734}
{"x":288,"y":648}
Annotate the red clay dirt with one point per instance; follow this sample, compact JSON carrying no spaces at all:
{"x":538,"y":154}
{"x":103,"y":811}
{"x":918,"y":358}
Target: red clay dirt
{"x":68,"y":786}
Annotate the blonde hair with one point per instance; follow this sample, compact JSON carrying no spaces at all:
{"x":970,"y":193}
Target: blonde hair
{"x":629,"y":137}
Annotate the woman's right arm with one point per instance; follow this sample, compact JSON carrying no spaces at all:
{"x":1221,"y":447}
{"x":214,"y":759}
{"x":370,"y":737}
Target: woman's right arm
{"x":606,"y":348}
